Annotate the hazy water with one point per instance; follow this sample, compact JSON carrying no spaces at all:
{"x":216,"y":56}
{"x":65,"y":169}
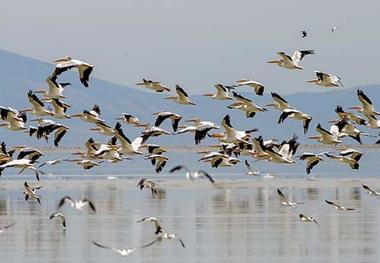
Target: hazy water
{"x":233,"y":221}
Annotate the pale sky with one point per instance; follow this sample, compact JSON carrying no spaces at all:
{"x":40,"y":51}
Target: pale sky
{"x":199,"y":42}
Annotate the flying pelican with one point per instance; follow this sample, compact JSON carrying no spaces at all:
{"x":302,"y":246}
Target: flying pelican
{"x":222,"y":92}
{"x":367,"y":107}
{"x":38,"y":107}
{"x":91,"y":116}
{"x":297,"y":115}
{"x":103,"y":128}
{"x":338,"y":207}
{"x":121,"y":251}
{"x":153,"y":132}
{"x":325,"y":136}
{"x":158,"y":160}
{"x":285,"y":201}
{"x":85,"y":163}
{"x":55,"y":90}
{"x":163,"y":115}
{"x":279,"y":102}
{"x":200,"y":129}
{"x":15,"y":120}
{"x":21,"y":163}
{"x":66,"y":63}
{"x":291,"y":62}
{"x":29,"y":153}
{"x":370,"y":191}
{"x":106,"y":151}
{"x":182,"y":97}
{"x":165,"y":236}
{"x":52,"y":162}
{"x":5,"y":155}
{"x":250,"y":169}
{"x":304,"y":218}
{"x":312,"y":160}
{"x":256,"y":86}
{"x":153,"y":85}
{"x":192,"y":175}
{"x":353,"y":163}
{"x":130,"y":119}
{"x":246,"y":105}
{"x":373,"y":122}
{"x":61,"y":217}
{"x":220,"y":160}
{"x":153,"y":220}
{"x":326,"y":80}
{"x":350,"y":116}
{"x":78,"y":205}
{"x":31,"y":192}
{"x":60,"y":109}
{"x":346,"y":128}
{"x":154,"y":148}
{"x":149,"y":184}
{"x":232,"y":135}
{"x":285,"y":153}
{"x":127,"y":147}
{"x":45,"y":128}
{"x":6,"y":227}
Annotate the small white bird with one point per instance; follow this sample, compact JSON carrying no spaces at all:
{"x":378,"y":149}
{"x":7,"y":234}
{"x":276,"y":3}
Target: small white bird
{"x":192,"y":175}
{"x":285,"y":201}
{"x":250,"y":169}
{"x":61,"y":217}
{"x":304,"y":218}
{"x":338,"y":207}
{"x":291,"y":62}
{"x":79,"y":205}
{"x":153,"y":220}
{"x":149,"y":184}
{"x":370,"y":191}
{"x":159,"y":161}
{"x":31,"y":192}
{"x":121,"y":251}
{"x":165,"y":236}
{"x":6,"y":227}
{"x":66,"y":63}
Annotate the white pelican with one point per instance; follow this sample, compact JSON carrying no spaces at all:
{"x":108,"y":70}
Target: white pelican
{"x":367,"y":107}
{"x":127,"y":147}
{"x":220,"y":160}
{"x":163,"y":115}
{"x":149,"y":184}
{"x":192,"y":175}
{"x":78,"y":205}
{"x":279,"y":102}
{"x":291,"y":62}
{"x":354,"y":154}
{"x":60,"y":216}
{"x":326,"y":80}
{"x":346,"y":128}
{"x":91,"y":148}
{"x":165,"y":236}
{"x":15,"y":120}
{"x":153,"y":220}
{"x":312,"y":160}
{"x":354,"y":164}
{"x":52,"y":162}
{"x":285,"y":201}
{"x":259,"y":152}
{"x":200,"y":129}
{"x":256,"y":86}
{"x":60,"y":109}
{"x":246,"y":105}
{"x":338,"y":207}
{"x":91,"y":116}
{"x":370,"y":191}
{"x":349,"y":115}
{"x":326,"y":137}
{"x":222,"y":92}
{"x":21,"y":163}
{"x":297,"y":115}
{"x":6,"y":227}
{"x":159,"y":161}
{"x":86,"y":164}
{"x":154,"y":148}
{"x":55,"y":90}
{"x":182,"y":97}
{"x":285,"y":153}
{"x":304,"y":218}
{"x":154,"y":132}
{"x":29,"y":153}
{"x":373,"y":123}
{"x":130,"y":119}
{"x":66,"y":63}
{"x":38,"y":107}
{"x":46,"y":127}
{"x":154,"y":85}
{"x":121,"y":251}
{"x":103,"y":128}
{"x":31,"y":192}
{"x":232,"y":135}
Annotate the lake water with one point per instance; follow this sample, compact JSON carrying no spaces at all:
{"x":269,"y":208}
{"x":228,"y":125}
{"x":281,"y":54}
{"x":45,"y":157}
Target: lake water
{"x":239,"y":219}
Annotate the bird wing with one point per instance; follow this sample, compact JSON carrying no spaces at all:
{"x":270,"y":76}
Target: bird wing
{"x":92,"y":206}
{"x":66,"y":199}
{"x":99,"y":245}
{"x":181,"y":92}
{"x":299,"y":55}
{"x":283,"y":198}
{"x":177,"y":168}
{"x":208,"y":176}
{"x":59,"y":135}
{"x":160,"y":118}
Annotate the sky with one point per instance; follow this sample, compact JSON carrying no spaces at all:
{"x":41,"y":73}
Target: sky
{"x":201,"y":42}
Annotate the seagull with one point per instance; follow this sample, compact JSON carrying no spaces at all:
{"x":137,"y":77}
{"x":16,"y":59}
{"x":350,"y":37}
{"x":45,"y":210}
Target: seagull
{"x":326,"y":80}
{"x":367,"y":107}
{"x":31,"y":192}
{"x":291,"y":62}
{"x":338,"y":207}
{"x":130,"y":119}
{"x":147,"y":183}
{"x":256,"y":86}
{"x":305,"y":218}
{"x":312,"y":160}
{"x":21,"y":163}
{"x":285,"y":201}
{"x":163,"y":115}
{"x":127,"y":147}
{"x":79,"y":205}
{"x":6,"y":227}
{"x":182,"y":97}
{"x":153,"y":220}
{"x":66,"y":63}
{"x":165,"y":236}
{"x":60,"y":216}
{"x":297,"y":115}
{"x":192,"y":175}
{"x":153,"y":85}
{"x":250,"y":169}
{"x":246,"y":105}
{"x":222,"y":92}
{"x":279,"y":102}
{"x":370,"y":191}
{"x":55,"y":90}
{"x":303,"y":34}
{"x":14,"y":119}
{"x":158,"y":160}
{"x":325,"y":136}
{"x":122,"y":251}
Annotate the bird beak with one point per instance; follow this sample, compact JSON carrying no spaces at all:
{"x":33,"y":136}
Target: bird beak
{"x":217,"y":135}
{"x":273,"y":61}
{"x":270,"y":105}
{"x":313,"y":137}
{"x":208,"y":95}
{"x":170,"y":98}
{"x":119,"y":119}
{"x":313,"y":81}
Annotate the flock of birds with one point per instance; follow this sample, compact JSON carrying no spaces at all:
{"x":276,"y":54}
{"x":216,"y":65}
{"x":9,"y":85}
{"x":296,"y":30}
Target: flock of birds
{"x":233,"y":143}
